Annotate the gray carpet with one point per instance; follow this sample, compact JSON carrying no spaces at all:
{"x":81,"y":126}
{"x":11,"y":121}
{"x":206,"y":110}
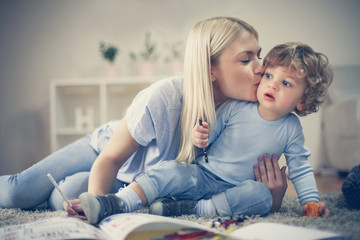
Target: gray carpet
{"x":342,"y":219}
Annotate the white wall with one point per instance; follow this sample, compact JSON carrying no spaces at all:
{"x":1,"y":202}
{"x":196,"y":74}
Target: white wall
{"x":42,"y":40}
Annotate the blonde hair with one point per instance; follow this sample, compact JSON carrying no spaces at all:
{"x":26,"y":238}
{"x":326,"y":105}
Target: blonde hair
{"x":314,"y":67}
{"x":205,"y":44}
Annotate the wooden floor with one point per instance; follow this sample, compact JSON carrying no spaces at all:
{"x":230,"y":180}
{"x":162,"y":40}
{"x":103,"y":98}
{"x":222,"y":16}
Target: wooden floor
{"x":324,"y":184}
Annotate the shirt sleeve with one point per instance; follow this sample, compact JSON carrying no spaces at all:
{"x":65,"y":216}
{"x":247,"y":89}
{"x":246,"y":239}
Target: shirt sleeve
{"x":300,"y":171}
{"x":145,"y":113}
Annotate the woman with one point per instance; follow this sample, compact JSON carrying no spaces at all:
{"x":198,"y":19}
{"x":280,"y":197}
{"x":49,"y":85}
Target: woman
{"x":221,"y":62}
{"x":149,"y":133}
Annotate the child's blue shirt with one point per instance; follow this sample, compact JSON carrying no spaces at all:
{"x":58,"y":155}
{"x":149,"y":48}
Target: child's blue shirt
{"x":241,"y":136}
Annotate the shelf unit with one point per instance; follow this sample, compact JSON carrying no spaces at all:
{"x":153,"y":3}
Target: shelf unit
{"x":78,"y":106}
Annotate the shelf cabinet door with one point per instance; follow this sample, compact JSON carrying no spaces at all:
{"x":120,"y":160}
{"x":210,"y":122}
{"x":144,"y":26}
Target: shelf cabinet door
{"x":78,"y":106}
{"x":72,"y":99}
{"x":74,"y":111}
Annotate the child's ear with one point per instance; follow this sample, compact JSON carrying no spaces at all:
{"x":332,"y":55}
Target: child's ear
{"x":301,"y":105}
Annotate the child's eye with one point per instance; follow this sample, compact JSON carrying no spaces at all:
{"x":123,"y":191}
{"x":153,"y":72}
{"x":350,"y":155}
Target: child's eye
{"x":268,"y":76}
{"x":286,"y":83}
{"x":245,"y":61}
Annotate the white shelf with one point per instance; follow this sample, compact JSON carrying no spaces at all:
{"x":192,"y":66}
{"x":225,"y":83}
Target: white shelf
{"x":80,"y":105}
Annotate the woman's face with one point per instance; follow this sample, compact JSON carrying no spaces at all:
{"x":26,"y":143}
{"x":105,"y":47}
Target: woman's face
{"x":238,"y":72}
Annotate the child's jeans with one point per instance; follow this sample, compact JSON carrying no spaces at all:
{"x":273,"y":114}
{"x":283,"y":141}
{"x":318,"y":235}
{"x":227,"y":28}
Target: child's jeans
{"x":194,"y":182}
{"x":70,"y":167}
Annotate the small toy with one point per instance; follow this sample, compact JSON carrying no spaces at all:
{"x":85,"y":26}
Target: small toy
{"x":227,"y":222}
{"x":312,"y":210}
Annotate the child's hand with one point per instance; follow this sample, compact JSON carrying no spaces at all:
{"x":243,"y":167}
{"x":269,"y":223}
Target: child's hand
{"x":316,"y":209}
{"x":76,"y":211}
{"x":200,"y":135}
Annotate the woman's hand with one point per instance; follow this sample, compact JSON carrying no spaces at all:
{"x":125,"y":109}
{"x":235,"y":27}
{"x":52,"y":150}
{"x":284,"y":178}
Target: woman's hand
{"x":76,"y":211}
{"x":269,"y":173}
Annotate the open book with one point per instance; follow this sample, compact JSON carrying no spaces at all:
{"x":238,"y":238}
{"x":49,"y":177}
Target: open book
{"x":144,"y":226}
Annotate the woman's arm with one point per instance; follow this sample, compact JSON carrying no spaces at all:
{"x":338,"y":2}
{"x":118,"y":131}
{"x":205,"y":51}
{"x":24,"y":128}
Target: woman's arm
{"x":105,"y":168}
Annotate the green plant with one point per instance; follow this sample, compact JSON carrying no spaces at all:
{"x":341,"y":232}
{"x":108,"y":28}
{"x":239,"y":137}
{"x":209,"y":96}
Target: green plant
{"x":108,"y":52}
{"x":149,"y":53}
{"x":132,"y":56}
{"x":175,"y":51}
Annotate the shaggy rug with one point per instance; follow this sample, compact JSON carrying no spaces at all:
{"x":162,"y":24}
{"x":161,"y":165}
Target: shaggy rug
{"x":342,"y":220}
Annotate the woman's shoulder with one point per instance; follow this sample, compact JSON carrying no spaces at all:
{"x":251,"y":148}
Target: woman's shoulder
{"x":163,"y":95}
{"x":170,"y":84}
{"x":167,"y":88}
{"x":167,"y":91}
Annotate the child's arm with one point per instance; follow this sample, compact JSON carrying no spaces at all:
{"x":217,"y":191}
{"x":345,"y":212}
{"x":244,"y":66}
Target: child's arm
{"x":200,"y":135}
{"x":301,"y":172}
{"x":315,"y":209}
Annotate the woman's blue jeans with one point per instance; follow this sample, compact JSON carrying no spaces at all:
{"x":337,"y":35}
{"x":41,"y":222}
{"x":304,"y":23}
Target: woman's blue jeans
{"x":70,"y":167}
{"x":194,"y":182}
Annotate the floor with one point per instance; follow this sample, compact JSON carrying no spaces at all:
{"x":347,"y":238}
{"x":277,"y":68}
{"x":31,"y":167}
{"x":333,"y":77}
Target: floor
{"x":324,"y":184}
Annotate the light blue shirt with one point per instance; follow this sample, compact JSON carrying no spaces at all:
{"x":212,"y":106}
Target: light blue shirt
{"x":153,"y":120}
{"x":241,"y":136}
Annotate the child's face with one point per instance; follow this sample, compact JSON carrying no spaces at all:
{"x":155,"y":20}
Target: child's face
{"x":280,"y":92}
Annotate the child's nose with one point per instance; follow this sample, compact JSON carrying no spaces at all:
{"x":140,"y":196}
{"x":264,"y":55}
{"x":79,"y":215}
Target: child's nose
{"x":273,"y":85}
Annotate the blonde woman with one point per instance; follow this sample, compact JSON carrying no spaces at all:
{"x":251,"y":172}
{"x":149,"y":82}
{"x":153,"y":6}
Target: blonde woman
{"x":221,"y":62}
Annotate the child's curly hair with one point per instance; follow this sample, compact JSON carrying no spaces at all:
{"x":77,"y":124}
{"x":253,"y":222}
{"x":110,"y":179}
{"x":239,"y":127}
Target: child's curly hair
{"x":314,"y":67}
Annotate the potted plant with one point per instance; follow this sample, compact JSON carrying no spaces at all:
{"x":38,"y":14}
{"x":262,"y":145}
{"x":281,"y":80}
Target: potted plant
{"x":148,"y":57}
{"x":109,"y":53}
{"x":175,"y":57}
{"x":149,"y":53}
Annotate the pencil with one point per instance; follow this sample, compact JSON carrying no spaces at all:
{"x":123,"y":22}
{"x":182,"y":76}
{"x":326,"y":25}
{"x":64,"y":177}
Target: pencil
{"x":58,"y":188}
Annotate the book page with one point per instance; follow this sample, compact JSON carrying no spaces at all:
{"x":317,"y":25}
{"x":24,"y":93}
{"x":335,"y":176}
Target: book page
{"x":121,"y":225}
{"x":54,"y":228}
{"x":279,"y":231}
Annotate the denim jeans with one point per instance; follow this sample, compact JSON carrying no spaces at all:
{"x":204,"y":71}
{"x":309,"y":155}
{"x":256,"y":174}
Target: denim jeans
{"x":194,"y":182}
{"x":70,"y":167}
